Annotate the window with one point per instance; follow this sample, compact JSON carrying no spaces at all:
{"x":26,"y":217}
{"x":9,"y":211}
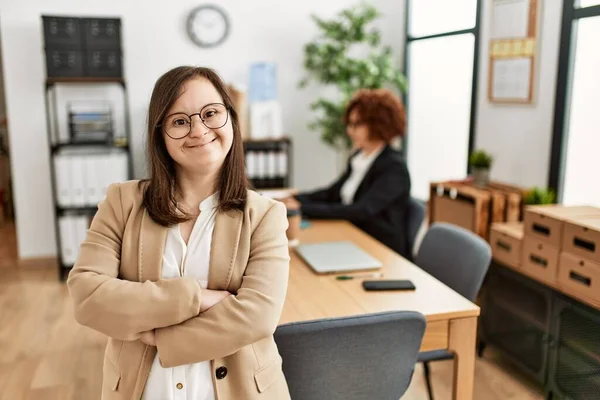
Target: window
{"x":441,"y":67}
{"x":574,"y":162}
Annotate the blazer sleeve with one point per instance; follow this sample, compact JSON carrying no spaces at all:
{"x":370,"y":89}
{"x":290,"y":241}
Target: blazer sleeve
{"x":392,"y":183}
{"x":118,"y":308}
{"x":239,"y":320}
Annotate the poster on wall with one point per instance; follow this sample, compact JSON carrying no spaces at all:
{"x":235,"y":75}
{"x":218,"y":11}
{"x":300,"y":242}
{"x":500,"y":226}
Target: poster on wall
{"x":513,"y":51}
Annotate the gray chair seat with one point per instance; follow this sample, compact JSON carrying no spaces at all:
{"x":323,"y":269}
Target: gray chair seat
{"x":355,"y":358}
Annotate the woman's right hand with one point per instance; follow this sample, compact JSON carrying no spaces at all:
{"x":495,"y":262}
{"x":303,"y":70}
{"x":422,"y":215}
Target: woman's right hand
{"x":211,"y":297}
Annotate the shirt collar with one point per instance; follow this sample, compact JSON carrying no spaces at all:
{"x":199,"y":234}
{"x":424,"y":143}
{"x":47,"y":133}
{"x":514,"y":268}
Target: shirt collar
{"x":210,"y":202}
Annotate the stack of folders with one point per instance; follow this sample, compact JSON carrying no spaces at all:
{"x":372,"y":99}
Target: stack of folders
{"x":82,"y":178}
{"x":73,"y":230}
{"x":267,"y":168}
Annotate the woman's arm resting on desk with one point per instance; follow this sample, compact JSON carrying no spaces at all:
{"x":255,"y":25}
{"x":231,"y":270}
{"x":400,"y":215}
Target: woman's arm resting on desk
{"x":392,"y":184}
{"x":245,"y":318}
{"x":118,"y":308}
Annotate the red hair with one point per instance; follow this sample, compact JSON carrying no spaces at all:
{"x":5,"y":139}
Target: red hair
{"x":381,"y":110}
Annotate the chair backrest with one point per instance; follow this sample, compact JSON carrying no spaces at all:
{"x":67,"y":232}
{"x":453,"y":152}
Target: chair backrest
{"x":369,"y":356}
{"x":457,"y":257}
{"x":415,"y":214}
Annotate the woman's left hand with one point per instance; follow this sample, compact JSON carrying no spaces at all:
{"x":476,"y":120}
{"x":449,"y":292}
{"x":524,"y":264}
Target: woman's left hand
{"x":149,"y":338}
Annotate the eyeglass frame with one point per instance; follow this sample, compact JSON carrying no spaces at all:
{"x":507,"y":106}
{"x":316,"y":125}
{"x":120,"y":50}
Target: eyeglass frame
{"x":199,"y":116}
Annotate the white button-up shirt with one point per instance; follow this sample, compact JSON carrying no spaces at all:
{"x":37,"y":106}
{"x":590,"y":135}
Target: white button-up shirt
{"x":360,"y":164}
{"x":193,"y":381}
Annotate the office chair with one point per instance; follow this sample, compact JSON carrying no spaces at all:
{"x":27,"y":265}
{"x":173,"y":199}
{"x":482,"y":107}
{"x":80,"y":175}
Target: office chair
{"x":458,"y":258}
{"x":415,"y":213}
{"x":352,"y":358}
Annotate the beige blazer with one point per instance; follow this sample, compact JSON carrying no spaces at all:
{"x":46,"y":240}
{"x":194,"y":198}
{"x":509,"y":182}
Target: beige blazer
{"x":116,"y":289}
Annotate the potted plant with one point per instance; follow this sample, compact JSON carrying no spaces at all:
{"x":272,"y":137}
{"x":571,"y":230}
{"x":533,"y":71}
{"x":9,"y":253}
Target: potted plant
{"x":481,"y":163}
{"x":539,"y":195}
{"x":328,"y":61}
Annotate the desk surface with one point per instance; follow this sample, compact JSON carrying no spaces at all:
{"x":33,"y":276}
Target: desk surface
{"x":312,"y":296}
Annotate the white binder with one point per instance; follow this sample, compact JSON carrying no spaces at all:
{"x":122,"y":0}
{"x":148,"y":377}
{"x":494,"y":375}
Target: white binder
{"x":67,"y":240}
{"x":77,"y":165}
{"x":62,"y":176}
{"x":282,"y":165}
{"x":93,"y":189}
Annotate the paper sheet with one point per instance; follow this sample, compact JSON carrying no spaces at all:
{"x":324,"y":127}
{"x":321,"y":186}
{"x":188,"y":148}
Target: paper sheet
{"x":511,"y":19}
{"x":512,"y":78}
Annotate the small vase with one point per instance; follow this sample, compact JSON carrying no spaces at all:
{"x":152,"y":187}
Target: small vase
{"x":481,"y":176}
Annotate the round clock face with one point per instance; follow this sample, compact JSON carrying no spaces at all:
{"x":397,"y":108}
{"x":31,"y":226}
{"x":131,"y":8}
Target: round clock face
{"x":208,"y":25}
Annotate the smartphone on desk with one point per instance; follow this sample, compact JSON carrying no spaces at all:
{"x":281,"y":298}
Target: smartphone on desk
{"x":388,"y":284}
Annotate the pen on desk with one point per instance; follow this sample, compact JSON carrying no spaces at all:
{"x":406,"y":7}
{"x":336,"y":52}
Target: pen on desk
{"x":358,"y":276}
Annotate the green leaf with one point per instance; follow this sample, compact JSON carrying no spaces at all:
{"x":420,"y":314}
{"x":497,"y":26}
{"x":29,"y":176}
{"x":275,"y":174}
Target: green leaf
{"x":327,"y":61}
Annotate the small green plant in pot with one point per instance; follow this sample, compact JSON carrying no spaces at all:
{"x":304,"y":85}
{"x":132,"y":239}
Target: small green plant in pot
{"x":481,"y":163}
{"x":539,"y":195}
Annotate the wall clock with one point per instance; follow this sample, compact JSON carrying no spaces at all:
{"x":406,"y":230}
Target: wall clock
{"x":208,"y":25}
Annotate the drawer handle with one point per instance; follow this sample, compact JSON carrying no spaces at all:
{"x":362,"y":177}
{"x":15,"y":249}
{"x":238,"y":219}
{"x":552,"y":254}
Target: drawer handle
{"x":541,"y":229}
{"x":580,"y":278}
{"x":503,"y":246}
{"x":538,"y":260}
{"x":584,"y":244}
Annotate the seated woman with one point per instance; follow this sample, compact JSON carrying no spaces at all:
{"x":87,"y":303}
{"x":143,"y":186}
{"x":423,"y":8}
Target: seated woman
{"x":374,"y":191}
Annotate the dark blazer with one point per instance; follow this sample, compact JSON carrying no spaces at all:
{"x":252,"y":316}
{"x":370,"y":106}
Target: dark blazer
{"x":379,"y":204}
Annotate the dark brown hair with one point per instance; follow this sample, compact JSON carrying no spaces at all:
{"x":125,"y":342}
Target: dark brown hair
{"x":160,"y":188}
{"x":381,"y":110}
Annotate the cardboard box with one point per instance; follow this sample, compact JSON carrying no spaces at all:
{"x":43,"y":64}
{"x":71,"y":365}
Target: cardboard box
{"x":461,"y":205}
{"x":579,"y":277}
{"x":546,"y":222}
{"x":581,"y":237}
{"x":506,"y":240}
{"x":539,"y":259}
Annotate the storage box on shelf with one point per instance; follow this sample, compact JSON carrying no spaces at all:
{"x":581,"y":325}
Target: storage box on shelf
{"x":546,"y":222}
{"x":82,"y":47}
{"x":506,"y":240}
{"x":581,"y":236}
{"x":544,"y":228}
{"x":472,"y":207}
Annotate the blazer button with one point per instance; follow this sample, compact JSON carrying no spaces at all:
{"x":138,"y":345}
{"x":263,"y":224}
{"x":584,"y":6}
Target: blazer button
{"x":221,"y":372}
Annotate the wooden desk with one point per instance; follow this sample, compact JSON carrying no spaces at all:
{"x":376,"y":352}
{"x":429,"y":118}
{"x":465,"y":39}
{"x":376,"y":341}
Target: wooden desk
{"x":451,"y":319}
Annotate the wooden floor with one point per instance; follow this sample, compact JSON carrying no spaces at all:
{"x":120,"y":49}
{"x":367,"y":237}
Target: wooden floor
{"x":45,"y":354}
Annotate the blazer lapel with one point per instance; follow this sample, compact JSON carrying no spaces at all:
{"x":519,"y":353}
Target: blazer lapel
{"x":224,"y":247}
{"x":152,"y":244}
{"x":369,"y":175}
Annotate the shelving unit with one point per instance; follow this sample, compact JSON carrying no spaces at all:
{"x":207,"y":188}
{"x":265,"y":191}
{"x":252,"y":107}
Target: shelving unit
{"x":269,"y":162}
{"x":83,"y":60}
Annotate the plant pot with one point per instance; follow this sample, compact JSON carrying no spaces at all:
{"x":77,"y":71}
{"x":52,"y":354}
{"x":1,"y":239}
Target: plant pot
{"x":481,"y":176}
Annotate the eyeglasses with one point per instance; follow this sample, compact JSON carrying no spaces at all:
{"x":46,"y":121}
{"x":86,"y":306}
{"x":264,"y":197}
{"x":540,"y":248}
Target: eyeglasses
{"x":354,"y":124}
{"x":179,"y":125}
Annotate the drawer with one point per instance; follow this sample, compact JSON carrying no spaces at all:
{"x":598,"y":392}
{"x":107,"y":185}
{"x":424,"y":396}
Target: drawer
{"x":579,"y":276}
{"x":540,"y":260}
{"x":582,"y":237}
{"x":506,"y":249}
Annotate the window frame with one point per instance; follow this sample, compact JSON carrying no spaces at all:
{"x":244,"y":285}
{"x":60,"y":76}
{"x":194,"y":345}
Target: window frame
{"x":566,"y":59}
{"x":475,"y":31}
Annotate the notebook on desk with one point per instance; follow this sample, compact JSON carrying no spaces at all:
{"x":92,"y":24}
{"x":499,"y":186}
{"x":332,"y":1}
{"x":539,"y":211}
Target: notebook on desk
{"x":337,"y":256}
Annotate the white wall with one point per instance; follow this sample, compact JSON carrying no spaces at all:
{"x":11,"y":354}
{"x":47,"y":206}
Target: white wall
{"x":154,"y":40}
{"x":519,"y":136}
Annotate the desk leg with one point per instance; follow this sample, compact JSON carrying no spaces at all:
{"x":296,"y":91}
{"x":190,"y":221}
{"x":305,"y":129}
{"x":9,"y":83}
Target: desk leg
{"x":462,"y":341}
